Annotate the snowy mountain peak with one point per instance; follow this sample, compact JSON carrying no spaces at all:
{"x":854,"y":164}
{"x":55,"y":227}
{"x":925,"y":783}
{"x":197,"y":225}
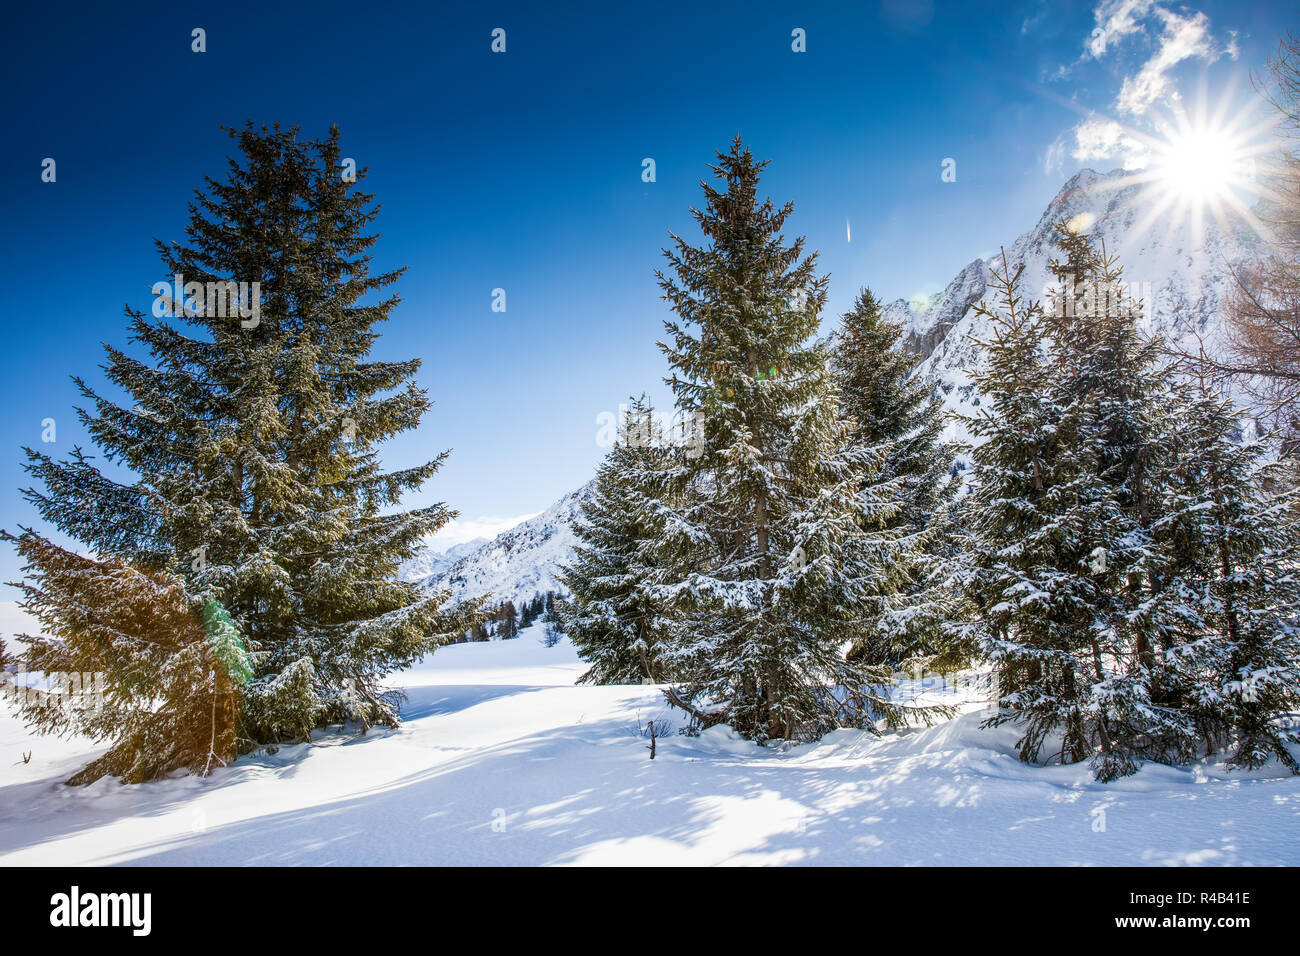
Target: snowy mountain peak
{"x":517,"y":563}
{"x":925,"y":325}
{"x":432,"y":560}
{"x":1176,"y":264}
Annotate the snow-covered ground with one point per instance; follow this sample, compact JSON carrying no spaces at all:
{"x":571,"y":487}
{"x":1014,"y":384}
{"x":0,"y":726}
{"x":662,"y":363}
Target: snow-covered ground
{"x":502,"y":760}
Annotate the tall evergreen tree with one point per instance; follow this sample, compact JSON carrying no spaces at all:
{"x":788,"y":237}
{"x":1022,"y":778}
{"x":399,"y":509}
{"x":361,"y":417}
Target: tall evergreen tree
{"x":1229,"y":596}
{"x":612,"y":615}
{"x":254,"y":449}
{"x":1116,"y":436}
{"x":507,"y":621}
{"x":1024,"y":564}
{"x":1049,"y":533}
{"x":772,"y":536}
{"x":531,"y":611}
{"x":890,"y":408}
{"x":1119,"y":543}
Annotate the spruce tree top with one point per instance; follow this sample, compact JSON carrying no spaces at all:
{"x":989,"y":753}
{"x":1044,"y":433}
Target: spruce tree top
{"x":754,"y":298}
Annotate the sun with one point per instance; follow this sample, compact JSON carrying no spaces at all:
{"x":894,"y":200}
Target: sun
{"x":1201,"y":166}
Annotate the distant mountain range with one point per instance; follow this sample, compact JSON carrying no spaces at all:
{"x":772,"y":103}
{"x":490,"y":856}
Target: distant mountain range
{"x":1180,"y":270}
{"x":514,"y":565}
{"x":431,"y":562}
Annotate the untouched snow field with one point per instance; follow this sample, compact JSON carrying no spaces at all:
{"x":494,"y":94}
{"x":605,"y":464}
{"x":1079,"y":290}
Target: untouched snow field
{"x":502,"y":760}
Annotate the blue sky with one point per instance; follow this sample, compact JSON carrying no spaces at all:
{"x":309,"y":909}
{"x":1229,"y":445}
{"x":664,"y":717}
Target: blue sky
{"x":522,"y":171}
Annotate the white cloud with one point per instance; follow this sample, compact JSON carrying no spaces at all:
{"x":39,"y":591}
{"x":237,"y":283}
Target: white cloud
{"x":1054,"y":161}
{"x":1171,"y":38}
{"x":1115,"y":19}
{"x":1096,"y":138}
{"x":1181,"y":39}
{"x":459,"y":530}
{"x":1176,"y":37}
{"x":1099,"y":138}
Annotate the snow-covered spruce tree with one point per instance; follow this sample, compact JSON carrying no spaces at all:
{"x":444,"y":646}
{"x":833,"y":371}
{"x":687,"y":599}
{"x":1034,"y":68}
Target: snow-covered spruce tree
{"x":891,"y":408}
{"x":1104,"y":389}
{"x":611,"y":615}
{"x":253,"y":439}
{"x":1120,"y":406}
{"x":1045,"y":529}
{"x":1028,"y":610}
{"x":1229,"y":592}
{"x":1083,"y":599}
{"x":773,"y":540}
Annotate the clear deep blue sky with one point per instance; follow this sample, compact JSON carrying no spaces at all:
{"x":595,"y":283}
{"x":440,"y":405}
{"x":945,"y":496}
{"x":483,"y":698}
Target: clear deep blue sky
{"x":523,"y":171}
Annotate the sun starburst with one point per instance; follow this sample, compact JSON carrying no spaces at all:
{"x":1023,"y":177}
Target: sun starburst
{"x":1199,"y":164}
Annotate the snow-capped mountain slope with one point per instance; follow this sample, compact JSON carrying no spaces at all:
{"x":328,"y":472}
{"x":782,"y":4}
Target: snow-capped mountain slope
{"x":430,"y":562}
{"x":518,"y":563}
{"x":1178,"y":267}
{"x":926,"y":327}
